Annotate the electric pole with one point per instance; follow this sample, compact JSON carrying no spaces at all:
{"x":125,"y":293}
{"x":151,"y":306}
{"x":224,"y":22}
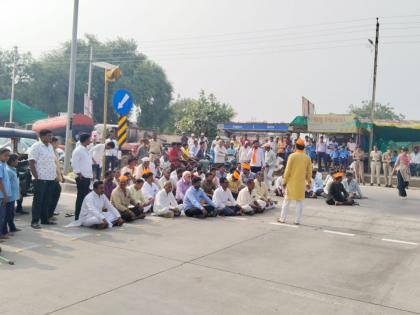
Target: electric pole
{"x":12,"y":94}
{"x":375,"y":66}
{"x":89,"y":91}
{"x":72,"y":81}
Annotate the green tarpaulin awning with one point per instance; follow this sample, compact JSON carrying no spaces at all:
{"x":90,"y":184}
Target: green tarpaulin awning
{"x":22,"y":113}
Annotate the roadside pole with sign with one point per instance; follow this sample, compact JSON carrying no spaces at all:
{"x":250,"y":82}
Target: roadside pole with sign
{"x":122,"y":102}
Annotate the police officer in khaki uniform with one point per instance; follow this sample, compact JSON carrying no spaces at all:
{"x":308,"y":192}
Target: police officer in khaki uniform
{"x":386,"y":165}
{"x":155,"y":149}
{"x":358,"y":158}
{"x":375,"y":165}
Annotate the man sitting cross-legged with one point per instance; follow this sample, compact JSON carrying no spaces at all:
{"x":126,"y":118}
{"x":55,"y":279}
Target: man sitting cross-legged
{"x":165,"y":203}
{"x":224,"y":200}
{"x":337,"y":194}
{"x":196,"y":203}
{"x":248,"y":199}
{"x":125,"y":204}
{"x":262,"y":191}
{"x":97,"y":211}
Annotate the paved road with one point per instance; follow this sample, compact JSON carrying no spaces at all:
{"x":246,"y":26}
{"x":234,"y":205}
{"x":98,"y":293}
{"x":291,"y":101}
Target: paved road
{"x":359,"y":260}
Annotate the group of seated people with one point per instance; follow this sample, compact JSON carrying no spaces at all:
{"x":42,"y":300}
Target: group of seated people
{"x":126,"y":196}
{"x":338,"y":188}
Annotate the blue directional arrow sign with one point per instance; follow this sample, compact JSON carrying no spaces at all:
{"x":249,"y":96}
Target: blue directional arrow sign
{"x":122,"y":102}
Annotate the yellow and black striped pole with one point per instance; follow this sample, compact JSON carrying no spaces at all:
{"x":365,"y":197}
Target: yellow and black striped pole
{"x":122,"y":131}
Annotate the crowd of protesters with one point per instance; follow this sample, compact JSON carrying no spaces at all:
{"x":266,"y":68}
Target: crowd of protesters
{"x":196,"y":177}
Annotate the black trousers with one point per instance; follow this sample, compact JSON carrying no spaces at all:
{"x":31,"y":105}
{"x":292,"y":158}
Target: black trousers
{"x":41,"y":202}
{"x":127,"y":218}
{"x":56,"y":192}
{"x":230,"y":211}
{"x":401,"y":185}
{"x":82,"y":185}
{"x":256,"y":169}
{"x":195,"y":212}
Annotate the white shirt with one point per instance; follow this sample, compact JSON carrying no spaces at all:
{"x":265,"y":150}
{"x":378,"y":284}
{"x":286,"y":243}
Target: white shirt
{"x":114,"y":151}
{"x":415,"y":158}
{"x":317,"y":183}
{"x":270,"y":158}
{"x":81,"y":162}
{"x":279,"y":182}
{"x":220,"y":154}
{"x":149,"y":191}
{"x":245,"y":198}
{"x":223,"y":198}
{"x":259,"y":158}
{"x":164,"y":202}
{"x":44,"y":158}
{"x":93,"y":204}
{"x":243,"y":154}
{"x":171,"y":179}
{"x":97,"y":153}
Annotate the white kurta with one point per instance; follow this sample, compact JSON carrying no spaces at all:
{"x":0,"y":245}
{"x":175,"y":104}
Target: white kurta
{"x":245,"y":199}
{"x":164,"y":202}
{"x":92,"y":211}
{"x":223,"y":198}
{"x":149,"y":190}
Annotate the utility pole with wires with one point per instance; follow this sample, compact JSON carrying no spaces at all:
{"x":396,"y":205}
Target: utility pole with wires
{"x":12,"y":94}
{"x":375,"y":66}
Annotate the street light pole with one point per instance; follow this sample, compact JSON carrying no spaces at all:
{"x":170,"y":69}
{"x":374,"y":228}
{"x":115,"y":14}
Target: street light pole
{"x":72,"y":81}
{"x":89,"y":91}
{"x":375,"y":66}
{"x":12,"y":94}
{"x":104,"y":132}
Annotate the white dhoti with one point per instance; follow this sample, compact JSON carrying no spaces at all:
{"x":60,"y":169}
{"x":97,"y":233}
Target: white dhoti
{"x":109,"y":217}
{"x":285,"y":209}
{"x":248,"y":208}
{"x":166,"y":210}
{"x":268,"y":176}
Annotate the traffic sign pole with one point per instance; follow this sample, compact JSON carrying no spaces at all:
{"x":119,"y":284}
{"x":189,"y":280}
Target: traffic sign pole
{"x":122,"y":131}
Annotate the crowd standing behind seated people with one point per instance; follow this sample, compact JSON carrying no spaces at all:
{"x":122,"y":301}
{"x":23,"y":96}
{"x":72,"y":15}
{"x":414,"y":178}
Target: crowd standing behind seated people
{"x":242,"y":178}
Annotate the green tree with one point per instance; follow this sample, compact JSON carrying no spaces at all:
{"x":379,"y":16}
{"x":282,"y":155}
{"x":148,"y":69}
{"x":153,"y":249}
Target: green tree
{"x":46,"y":88}
{"x":201,"y":115}
{"x":381,"y":111}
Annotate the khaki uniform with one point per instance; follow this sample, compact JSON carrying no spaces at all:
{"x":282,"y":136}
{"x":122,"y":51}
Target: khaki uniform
{"x":375,"y":166}
{"x":358,"y":158}
{"x":155,"y":149}
{"x":386,"y":164}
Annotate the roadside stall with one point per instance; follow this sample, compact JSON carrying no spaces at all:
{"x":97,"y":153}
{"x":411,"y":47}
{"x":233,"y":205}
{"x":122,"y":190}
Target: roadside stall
{"x":253,"y":129}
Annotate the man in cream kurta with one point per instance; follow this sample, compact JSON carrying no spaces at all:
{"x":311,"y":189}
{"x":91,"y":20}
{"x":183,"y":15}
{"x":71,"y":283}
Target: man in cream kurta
{"x":298,"y":172}
{"x":248,"y":199}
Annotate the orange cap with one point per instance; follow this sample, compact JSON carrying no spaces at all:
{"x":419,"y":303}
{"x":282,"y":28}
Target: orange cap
{"x":146,"y":171}
{"x":300,"y":142}
{"x":338,"y":174}
{"x":236,"y":175}
{"x":123,"y":178}
{"x":246,"y":166}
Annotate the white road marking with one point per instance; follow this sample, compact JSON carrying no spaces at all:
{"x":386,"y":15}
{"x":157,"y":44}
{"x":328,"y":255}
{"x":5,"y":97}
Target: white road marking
{"x":236,"y":218}
{"x":19,"y":249}
{"x":284,"y":224}
{"x":338,"y":233}
{"x":399,"y":242}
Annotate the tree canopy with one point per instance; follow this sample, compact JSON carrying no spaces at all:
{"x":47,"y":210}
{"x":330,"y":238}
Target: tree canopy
{"x":381,"y":111}
{"x":43,"y":83}
{"x":201,"y":115}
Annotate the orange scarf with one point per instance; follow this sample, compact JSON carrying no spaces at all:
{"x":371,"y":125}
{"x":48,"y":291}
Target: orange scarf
{"x":254,"y":156}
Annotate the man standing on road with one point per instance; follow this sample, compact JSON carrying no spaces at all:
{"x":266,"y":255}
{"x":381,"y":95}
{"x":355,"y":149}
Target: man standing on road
{"x":415,"y":162}
{"x":256,"y":157}
{"x":386,"y":164}
{"x":359,"y":158}
{"x":44,"y":170}
{"x":60,"y":179}
{"x":155,"y":148}
{"x":81,"y":162}
{"x":111,"y":155}
{"x":269,"y":165}
{"x":298,"y":172}
{"x":321,"y":152}
{"x":375,"y":166}
{"x":97,"y":152}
